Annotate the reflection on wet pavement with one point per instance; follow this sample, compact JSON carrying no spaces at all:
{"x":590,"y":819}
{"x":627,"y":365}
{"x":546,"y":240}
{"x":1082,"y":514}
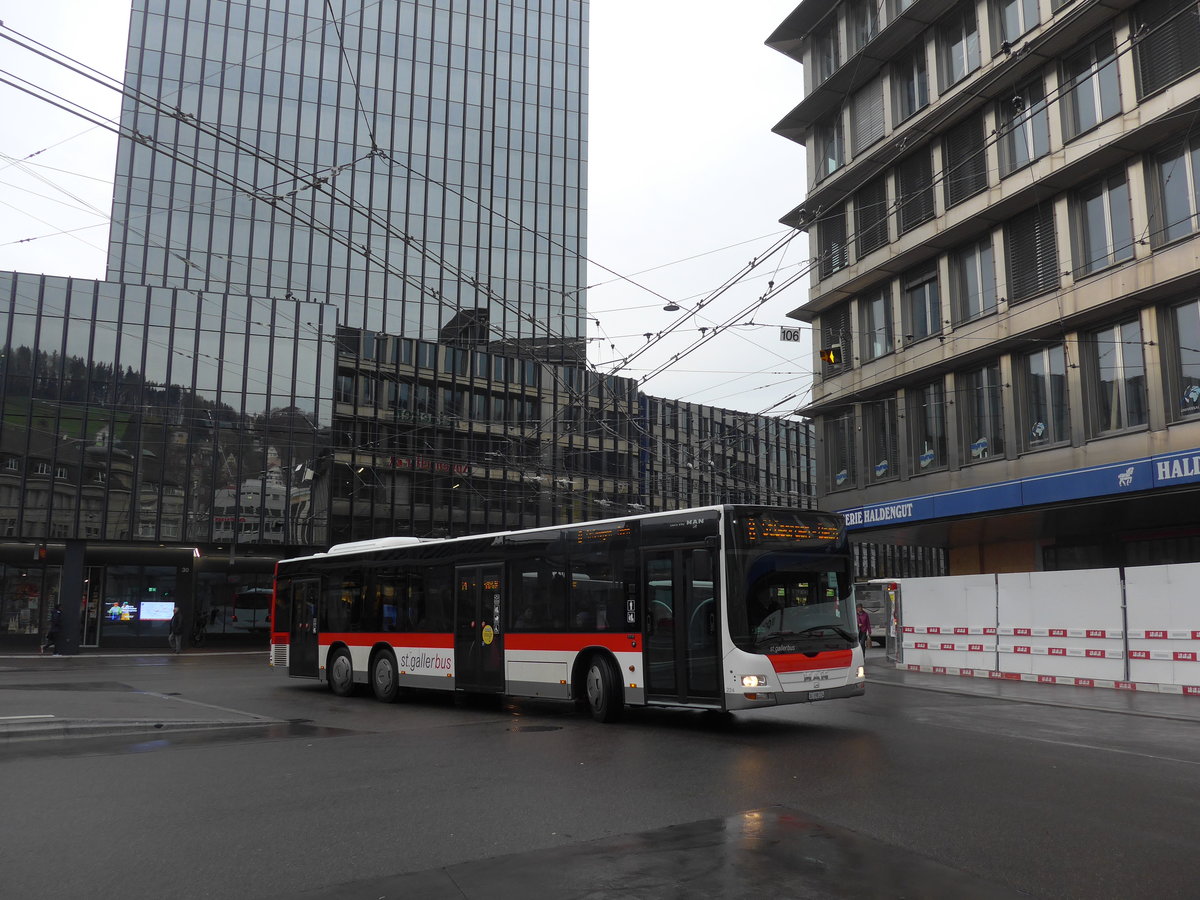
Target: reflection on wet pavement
{"x":773,"y":852}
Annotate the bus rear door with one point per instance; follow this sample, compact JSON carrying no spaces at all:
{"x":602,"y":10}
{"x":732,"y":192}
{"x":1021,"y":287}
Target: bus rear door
{"x":682,"y":656}
{"x":478,"y":643}
{"x":303,"y":652}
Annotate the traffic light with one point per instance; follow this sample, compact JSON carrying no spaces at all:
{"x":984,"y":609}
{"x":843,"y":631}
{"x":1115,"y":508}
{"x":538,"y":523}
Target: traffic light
{"x":832,"y":355}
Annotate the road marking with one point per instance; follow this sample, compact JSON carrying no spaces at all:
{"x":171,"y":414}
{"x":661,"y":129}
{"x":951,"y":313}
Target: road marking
{"x":12,"y":718}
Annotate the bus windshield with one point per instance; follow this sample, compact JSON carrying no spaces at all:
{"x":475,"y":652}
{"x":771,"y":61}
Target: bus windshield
{"x":791,"y":602}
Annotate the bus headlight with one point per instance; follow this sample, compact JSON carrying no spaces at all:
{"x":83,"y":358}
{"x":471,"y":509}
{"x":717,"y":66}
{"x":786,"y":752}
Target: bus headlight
{"x":752,"y":681}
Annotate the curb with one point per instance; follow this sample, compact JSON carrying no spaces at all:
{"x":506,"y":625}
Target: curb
{"x":961,"y":689}
{"x":91,"y":728}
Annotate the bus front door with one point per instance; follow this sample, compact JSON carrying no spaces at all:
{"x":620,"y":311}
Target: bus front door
{"x":478,"y":642}
{"x":302,"y":652}
{"x":682,"y":657}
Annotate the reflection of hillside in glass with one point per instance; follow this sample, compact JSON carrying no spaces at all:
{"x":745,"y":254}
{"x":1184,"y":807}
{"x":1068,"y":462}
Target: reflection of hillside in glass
{"x":136,"y":417}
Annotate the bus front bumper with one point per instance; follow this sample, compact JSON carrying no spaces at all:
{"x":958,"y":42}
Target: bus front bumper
{"x":755,"y":699}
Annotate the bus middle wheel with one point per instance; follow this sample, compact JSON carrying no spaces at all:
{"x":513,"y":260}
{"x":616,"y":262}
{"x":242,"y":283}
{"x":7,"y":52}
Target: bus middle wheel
{"x":385,"y":677}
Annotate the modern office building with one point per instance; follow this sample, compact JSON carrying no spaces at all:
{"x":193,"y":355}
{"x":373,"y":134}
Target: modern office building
{"x":141,"y":423}
{"x":344,"y":300}
{"x":417,"y":165}
{"x":1004,"y":205}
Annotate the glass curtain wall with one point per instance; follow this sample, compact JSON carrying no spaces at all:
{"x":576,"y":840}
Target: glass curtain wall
{"x":148,"y":414}
{"x":420,"y":166}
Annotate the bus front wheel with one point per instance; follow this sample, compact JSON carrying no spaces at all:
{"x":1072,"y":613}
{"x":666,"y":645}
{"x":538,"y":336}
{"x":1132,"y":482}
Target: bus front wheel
{"x":341,"y":673}
{"x":605,"y":699}
{"x":385,"y":680}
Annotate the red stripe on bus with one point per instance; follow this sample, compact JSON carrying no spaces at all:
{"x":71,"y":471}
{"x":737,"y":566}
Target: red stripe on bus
{"x":395,"y":638}
{"x":614,"y":642}
{"x":799,"y":662}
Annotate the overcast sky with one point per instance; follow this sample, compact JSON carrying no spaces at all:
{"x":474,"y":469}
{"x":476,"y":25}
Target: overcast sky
{"x":687,"y":182}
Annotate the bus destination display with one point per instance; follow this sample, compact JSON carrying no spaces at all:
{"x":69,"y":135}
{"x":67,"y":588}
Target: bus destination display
{"x":601,"y":535}
{"x":767,"y":528}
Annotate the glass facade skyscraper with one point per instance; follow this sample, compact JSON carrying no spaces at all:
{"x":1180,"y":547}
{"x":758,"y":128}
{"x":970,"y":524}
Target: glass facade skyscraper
{"x":421,"y":166}
{"x":344,"y":301}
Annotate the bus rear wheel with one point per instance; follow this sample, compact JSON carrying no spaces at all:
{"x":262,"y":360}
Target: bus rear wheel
{"x":385,"y":679}
{"x":341,"y":673}
{"x":605,"y":699}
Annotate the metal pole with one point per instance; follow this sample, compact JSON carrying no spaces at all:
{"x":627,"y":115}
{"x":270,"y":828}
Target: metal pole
{"x":71,"y":596}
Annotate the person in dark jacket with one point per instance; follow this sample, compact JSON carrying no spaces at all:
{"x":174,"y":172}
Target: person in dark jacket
{"x":175,"y":632}
{"x":51,"y":642}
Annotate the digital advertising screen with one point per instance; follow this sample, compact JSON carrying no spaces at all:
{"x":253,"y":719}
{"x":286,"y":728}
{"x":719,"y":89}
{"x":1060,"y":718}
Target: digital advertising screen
{"x":156,"y":610}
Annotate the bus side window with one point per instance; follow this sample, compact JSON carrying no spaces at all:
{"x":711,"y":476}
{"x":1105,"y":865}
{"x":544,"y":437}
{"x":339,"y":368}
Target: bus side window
{"x":282,"y":612}
{"x":342,"y":596}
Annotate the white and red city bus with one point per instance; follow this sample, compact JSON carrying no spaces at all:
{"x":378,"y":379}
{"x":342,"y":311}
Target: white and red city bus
{"x":725,"y":608}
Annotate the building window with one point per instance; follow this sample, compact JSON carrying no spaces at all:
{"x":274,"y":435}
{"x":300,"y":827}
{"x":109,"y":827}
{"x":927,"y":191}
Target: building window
{"x":965,"y":160}
{"x":839,"y":448}
{"x":958,"y":45}
{"x":831,"y":242}
{"x":343,"y":388}
{"x":863,"y":23}
{"x":866,"y":116}
{"x":875,"y":315}
{"x":914,"y":191}
{"x":981,"y":415}
{"x":825,"y":54}
{"x":1010,"y":20}
{"x":925,"y":409}
{"x":871,"y":217}
{"x":1024,"y":127}
{"x":1166,"y":50}
{"x":1116,"y":378}
{"x":830,"y":153}
{"x":1184,"y":372}
{"x":1031,"y":253}
{"x":1174,"y":176}
{"x":427,"y":354}
{"x":972,"y":282}
{"x":910,"y":84}
{"x":879,"y":435}
{"x":12,"y":464}
{"x":922,"y":305}
{"x":835,"y":333}
{"x":1044,"y":397}
{"x":1102,"y":224}
{"x":1090,"y":89}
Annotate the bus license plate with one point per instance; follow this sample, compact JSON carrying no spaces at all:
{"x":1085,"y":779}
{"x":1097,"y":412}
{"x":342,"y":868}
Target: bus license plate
{"x":816,"y":695}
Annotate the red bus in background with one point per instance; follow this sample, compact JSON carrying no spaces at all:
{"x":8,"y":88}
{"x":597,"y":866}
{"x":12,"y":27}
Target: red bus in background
{"x":724,"y":607}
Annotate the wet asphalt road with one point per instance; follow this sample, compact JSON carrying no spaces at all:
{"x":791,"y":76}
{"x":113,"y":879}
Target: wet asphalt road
{"x":901,"y":793}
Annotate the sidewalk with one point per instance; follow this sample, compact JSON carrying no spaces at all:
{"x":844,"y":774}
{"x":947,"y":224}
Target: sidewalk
{"x":43,"y":697}
{"x":1133,"y":703}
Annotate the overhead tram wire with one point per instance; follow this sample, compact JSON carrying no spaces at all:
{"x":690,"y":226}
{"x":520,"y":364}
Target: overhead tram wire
{"x":255,"y":193}
{"x":99,"y":121}
{"x":276,"y":201}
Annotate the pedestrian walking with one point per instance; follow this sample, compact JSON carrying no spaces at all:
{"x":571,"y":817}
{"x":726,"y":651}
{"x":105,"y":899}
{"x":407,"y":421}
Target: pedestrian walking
{"x":175,"y":633}
{"x":50,"y":644}
{"x":864,"y":627}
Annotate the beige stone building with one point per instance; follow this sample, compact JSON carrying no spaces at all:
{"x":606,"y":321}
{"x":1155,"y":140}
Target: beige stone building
{"x":1003,"y":205}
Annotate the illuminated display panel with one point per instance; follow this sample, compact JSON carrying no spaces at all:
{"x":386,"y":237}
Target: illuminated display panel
{"x":601,"y":535}
{"x":767,"y":528}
